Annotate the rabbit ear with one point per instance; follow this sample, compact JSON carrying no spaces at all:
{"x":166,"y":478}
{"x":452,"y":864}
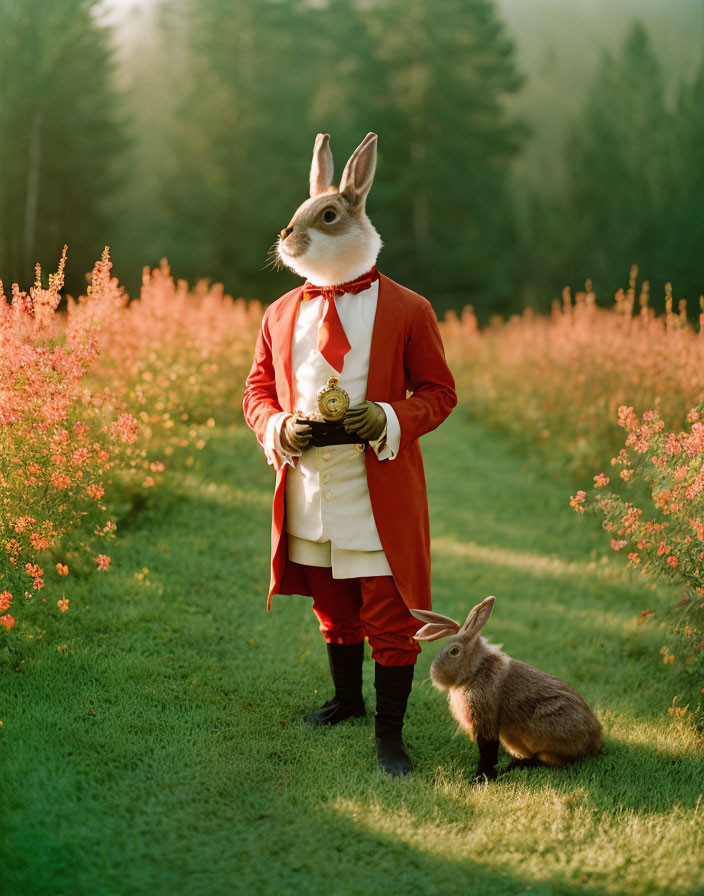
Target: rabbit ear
{"x":321,"y":169}
{"x":435,"y":618}
{"x":359,"y":172}
{"x":437,"y":626}
{"x":478,"y":617}
{"x":434,"y":630}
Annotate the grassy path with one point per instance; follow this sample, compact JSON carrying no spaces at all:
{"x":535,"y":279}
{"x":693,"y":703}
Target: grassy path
{"x":158,"y":750}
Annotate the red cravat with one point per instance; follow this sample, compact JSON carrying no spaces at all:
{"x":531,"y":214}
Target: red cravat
{"x":332,"y":341}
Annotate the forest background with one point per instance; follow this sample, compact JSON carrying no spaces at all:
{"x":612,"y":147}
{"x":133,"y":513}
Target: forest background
{"x":523,"y":146}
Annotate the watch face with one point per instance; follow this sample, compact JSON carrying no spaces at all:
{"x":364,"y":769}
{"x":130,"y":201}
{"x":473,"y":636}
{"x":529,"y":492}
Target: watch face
{"x":333,"y":406}
{"x":333,"y":401}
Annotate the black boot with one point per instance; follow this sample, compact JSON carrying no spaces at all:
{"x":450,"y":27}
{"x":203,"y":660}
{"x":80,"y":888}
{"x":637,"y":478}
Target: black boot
{"x":393,"y":685}
{"x":346,"y":669}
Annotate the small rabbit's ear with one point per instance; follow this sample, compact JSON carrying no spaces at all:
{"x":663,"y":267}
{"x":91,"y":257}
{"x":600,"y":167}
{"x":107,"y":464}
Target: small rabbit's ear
{"x":437,"y":626}
{"x":321,"y":169}
{"x":359,"y":172}
{"x":477,"y":617}
{"x":432,"y":631}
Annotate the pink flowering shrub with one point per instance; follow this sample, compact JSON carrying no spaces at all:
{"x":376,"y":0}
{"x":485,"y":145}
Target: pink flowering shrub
{"x":564,"y":382}
{"x":177,"y":357}
{"x":660,"y":529}
{"x":557,"y":381}
{"x":92,"y":400}
{"x":59,"y":442}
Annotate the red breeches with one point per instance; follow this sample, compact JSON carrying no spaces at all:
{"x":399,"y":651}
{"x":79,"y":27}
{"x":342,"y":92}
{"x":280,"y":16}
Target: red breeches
{"x":349,"y":609}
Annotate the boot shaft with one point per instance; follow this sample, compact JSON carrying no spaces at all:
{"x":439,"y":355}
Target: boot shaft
{"x":346,"y":670}
{"x":393,"y":686}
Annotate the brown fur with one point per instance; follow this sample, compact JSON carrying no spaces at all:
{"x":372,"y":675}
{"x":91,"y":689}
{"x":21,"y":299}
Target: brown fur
{"x":534,"y":715}
{"x":311,"y":215}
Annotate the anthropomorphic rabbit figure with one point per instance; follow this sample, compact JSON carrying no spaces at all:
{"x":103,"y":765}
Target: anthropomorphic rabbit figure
{"x":537,"y":718}
{"x":349,"y":372}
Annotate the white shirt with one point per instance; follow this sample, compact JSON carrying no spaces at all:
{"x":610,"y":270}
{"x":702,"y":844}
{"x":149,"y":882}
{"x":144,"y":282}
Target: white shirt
{"x":329,"y":518}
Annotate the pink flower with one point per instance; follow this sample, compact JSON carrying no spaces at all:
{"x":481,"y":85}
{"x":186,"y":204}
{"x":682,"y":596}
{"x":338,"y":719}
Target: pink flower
{"x":80,"y":456}
{"x":125,"y":428}
{"x":576,"y":501}
{"x":699,"y":527}
{"x":617,"y":544}
{"x":626,"y":418}
{"x":39,"y":542}
{"x":60,"y":480}
{"x":103,"y":561}
{"x":672,"y":446}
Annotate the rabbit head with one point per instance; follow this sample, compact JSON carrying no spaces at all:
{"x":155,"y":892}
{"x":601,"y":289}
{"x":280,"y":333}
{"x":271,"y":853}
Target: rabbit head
{"x":465,"y":647}
{"x":330,"y":239}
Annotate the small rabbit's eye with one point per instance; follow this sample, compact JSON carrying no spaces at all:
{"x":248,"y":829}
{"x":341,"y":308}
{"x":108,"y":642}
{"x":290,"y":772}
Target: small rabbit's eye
{"x":329,"y":215}
{"x":453,"y":651}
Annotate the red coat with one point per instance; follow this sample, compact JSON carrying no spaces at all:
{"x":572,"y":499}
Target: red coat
{"x":407,"y":356}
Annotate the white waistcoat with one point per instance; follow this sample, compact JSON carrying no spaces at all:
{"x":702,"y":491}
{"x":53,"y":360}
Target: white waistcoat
{"x":329,"y":519}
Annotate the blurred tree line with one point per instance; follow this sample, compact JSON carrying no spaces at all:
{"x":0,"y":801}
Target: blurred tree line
{"x":61,"y":140}
{"x":197,"y":147}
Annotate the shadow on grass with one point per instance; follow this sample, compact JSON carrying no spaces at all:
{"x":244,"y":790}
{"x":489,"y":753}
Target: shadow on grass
{"x":625,"y":776}
{"x":337,"y":856}
{"x":382,"y":862}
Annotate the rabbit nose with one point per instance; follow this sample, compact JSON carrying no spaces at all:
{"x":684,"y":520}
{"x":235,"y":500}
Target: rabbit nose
{"x":286,"y":232}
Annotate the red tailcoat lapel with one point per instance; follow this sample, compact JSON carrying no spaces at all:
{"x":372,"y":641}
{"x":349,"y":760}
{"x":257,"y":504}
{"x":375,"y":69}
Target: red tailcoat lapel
{"x":282,"y":348}
{"x":377,"y":377}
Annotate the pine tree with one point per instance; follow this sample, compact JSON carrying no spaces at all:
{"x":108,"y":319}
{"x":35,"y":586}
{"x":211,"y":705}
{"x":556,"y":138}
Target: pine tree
{"x":617,"y":157}
{"x":243,"y":146}
{"x":431,"y":80}
{"x":59,"y":137}
{"x":680,"y":224}
{"x":448,"y":69}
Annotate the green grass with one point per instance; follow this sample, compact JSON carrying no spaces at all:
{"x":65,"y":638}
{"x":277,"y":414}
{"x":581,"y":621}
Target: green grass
{"x":159,"y":751}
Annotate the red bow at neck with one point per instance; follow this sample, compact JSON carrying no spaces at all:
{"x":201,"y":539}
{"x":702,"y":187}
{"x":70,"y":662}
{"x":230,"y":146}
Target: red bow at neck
{"x":332,"y":342}
{"x":310,"y":291}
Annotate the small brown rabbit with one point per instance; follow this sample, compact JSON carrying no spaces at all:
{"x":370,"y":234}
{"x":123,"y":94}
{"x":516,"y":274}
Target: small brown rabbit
{"x":536,"y":717}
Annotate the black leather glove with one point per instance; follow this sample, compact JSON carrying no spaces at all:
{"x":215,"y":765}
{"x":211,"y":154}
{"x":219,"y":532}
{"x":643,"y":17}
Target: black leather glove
{"x":367,"y":420}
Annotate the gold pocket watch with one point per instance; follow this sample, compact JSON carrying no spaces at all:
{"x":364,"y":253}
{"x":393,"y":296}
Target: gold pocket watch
{"x":332,"y":400}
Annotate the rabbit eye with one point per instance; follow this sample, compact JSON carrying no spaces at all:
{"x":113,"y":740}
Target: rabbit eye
{"x":329,"y":215}
{"x":453,"y":651}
